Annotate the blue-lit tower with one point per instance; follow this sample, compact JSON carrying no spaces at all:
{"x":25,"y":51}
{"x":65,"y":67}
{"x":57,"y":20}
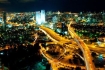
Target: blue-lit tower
{"x":42,"y":16}
{"x":38,"y":17}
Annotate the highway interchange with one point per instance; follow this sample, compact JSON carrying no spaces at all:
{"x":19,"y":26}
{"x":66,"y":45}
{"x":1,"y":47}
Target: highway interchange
{"x":75,"y":42}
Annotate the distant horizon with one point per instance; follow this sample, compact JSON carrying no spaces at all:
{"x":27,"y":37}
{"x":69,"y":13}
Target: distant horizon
{"x":52,"y":5}
{"x":53,"y":10}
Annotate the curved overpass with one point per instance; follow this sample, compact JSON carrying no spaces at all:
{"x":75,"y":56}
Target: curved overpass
{"x":56,"y":63}
{"x":57,"y":38}
{"x":86,"y":52}
{"x":53,"y":35}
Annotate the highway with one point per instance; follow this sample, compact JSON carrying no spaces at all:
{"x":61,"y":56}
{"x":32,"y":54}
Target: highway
{"x":53,"y":35}
{"x":55,"y":63}
{"x":85,"y":48}
{"x":86,"y":52}
{"x":58,"y":40}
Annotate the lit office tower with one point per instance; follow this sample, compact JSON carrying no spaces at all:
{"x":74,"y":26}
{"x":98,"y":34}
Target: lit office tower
{"x":38,"y":17}
{"x":42,"y":16}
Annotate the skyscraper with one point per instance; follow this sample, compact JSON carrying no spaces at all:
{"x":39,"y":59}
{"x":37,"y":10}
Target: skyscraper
{"x":38,"y":17}
{"x":4,"y":19}
{"x":42,"y":16}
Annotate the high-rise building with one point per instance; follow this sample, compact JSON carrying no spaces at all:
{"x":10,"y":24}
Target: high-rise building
{"x":38,"y":17}
{"x":42,"y":16}
{"x":4,"y":19}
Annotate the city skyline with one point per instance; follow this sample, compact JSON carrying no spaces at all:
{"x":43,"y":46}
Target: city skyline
{"x":30,"y":40}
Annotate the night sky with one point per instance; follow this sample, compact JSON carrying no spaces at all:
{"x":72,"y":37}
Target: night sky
{"x":53,"y":5}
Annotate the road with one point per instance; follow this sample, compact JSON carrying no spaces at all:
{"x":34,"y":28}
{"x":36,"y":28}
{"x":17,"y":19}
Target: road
{"x":59,"y":40}
{"x":56,"y":38}
{"x":86,"y":52}
{"x":55,"y":63}
{"x":53,"y":35}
